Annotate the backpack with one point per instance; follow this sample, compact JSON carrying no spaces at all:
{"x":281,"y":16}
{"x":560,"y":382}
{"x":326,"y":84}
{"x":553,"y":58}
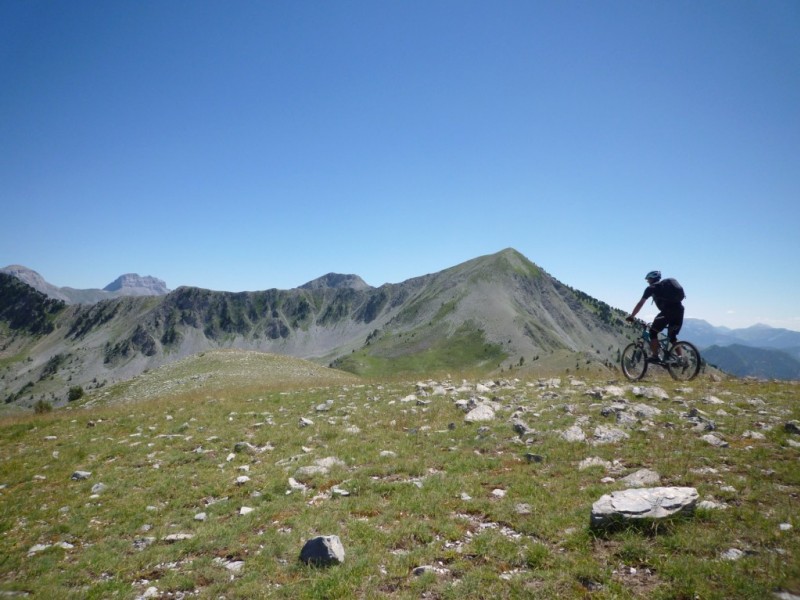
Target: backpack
{"x":668,"y":289}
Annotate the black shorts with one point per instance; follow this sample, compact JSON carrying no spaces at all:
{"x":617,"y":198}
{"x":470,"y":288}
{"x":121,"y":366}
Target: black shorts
{"x":670,"y":317}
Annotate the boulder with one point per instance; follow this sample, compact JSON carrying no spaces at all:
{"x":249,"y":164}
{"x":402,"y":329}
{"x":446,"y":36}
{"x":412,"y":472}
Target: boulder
{"x":323,"y":551}
{"x":642,"y":503}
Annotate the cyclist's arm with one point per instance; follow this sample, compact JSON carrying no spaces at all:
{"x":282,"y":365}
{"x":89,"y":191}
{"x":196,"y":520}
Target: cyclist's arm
{"x":636,"y":309}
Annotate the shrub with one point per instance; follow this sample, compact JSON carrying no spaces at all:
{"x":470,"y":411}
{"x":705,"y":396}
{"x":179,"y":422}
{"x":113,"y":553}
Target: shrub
{"x":42,"y":407}
{"x":75,"y":393}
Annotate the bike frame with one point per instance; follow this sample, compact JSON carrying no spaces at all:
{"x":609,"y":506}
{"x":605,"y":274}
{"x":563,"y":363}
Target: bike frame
{"x":663,"y":341}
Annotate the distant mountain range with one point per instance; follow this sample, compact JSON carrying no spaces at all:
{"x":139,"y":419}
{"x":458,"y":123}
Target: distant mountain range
{"x":130,"y":284}
{"x":492,"y":314}
{"x":757,"y":351}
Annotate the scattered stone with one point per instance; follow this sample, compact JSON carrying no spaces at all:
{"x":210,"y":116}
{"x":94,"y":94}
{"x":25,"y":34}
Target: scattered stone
{"x":645,"y":411}
{"x":642,"y":478}
{"x":234,"y":566}
{"x":242,"y":479}
{"x":522,"y":428}
{"x":608,"y":435}
{"x":712,"y":505}
{"x":785,"y":526}
{"x":480,"y":413}
{"x":296,"y":486}
{"x":388,"y":454}
{"x":142,"y":543}
{"x":594,"y":461}
{"x":712,"y":400}
{"x":523,"y":509}
{"x":426,"y":569}
{"x":151,"y":592}
{"x":99,"y":488}
{"x":320,"y":467}
{"x":81,"y":475}
{"x":498,"y":493}
{"x":177,"y":537}
{"x":613,"y":391}
{"x":642,"y":503}
{"x":245,"y":447}
{"x":245,"y":510}
{"x":339,"y":491}
{"x":732,"y":554}
{"x":200,"y":517}
{"x":534,"y":458}
{"x":38,"y":548}
{"x":792,"y":426}
{"x":323,"y":551}
{"x":652,"y":393}
{"x":574,"y":434}
{"x":304,"y":422}
{"x":714,"y":440}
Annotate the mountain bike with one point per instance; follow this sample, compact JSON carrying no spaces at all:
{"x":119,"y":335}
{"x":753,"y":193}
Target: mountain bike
{"x":681,"y":359}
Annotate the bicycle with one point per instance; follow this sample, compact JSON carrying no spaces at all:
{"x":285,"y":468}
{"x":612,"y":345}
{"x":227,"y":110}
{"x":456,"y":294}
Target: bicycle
{"x":681,"y":359}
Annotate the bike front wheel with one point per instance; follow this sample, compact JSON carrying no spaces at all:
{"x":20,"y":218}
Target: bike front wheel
{"x":634,"y":361}
{"x":685,"y":363}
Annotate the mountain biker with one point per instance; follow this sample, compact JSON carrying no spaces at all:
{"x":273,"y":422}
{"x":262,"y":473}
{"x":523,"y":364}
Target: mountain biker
{"x":668,"y":295}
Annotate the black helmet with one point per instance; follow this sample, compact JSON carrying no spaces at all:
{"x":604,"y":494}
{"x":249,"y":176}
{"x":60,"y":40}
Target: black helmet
{"x":653,"y":276}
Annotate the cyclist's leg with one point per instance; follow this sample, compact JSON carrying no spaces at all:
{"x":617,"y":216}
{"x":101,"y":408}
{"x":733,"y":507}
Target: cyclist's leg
{"x":658,"y":325}
{"x":675,"y":317}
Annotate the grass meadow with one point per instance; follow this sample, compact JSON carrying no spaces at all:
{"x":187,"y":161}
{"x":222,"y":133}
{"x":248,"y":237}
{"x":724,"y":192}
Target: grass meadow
{"x":489,"y":512}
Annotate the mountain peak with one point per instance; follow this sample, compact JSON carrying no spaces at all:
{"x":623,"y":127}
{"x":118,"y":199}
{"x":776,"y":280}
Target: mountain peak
{"x":336,"y":280}
{"x":133,"y":284}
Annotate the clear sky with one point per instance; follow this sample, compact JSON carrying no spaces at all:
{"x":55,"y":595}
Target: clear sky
{"x":253,"y":145}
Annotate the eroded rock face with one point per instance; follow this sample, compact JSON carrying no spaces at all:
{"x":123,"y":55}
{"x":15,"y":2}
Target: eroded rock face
{"x":642,"y":503}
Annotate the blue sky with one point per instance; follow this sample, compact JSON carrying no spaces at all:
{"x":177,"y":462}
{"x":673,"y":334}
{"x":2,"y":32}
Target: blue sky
{"x":254,"y":145}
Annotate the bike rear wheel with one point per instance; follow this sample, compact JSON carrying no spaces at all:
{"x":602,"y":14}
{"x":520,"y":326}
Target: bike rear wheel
{"x":685,"y":361}
{"x":634,"y":361}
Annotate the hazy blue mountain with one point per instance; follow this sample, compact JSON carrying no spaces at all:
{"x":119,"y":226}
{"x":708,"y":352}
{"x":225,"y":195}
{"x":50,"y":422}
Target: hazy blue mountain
{"x":703,"y":334}
{"x":130,"y":284}
{"x":747,"y":361}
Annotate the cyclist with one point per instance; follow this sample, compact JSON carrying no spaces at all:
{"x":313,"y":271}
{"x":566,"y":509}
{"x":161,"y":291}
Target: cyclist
{"x":668,"y":296}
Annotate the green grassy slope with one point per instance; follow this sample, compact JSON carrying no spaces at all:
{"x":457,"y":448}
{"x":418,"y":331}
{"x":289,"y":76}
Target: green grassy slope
{"x":496,"y":513}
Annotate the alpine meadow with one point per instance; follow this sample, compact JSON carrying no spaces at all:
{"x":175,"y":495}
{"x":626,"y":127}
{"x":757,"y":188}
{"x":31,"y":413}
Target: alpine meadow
{"x":462,"y":434}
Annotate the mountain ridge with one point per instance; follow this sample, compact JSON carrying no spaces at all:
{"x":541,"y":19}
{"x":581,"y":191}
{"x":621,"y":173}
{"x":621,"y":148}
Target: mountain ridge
{"x":129,"y":284}
{"x":490,"y":313}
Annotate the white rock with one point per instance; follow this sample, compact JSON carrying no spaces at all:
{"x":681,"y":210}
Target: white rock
{"x":574,"y":434}
{"x":480,"y":413}
{"x":732,"y":554}
{"x":641,"y":478}
{"x":715,"y":441}
{"x":178,"y":537}
{"x":642,"y":503}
